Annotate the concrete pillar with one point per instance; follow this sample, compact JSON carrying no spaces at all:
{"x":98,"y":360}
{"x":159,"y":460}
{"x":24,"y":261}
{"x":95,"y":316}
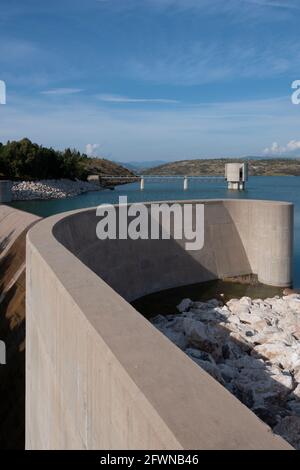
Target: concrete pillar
{"x":142,"y":186}
{"x":185,"y":183}
{"x":233,"y":185}
{"x":274,"y":235}
{"x":94,"y":179}
{"x":5,"y":191}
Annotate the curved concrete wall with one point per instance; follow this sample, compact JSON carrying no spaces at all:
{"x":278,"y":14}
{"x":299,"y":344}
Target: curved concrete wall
{"x":99,"y":375}
{"x":12,"y":223}
{"x":241,"y":237}
{"x":13,"y":227}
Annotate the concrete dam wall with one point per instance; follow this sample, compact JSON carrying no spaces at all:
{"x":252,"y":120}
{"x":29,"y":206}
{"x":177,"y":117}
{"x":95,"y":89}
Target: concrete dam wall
{"x":14,"y":225}
{"x":99,"y":375}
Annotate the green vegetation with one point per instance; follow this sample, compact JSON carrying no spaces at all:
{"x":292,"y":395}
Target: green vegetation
{"x":30,"y":161}
{"x":27,"y":160}
{"x":215,"y":167}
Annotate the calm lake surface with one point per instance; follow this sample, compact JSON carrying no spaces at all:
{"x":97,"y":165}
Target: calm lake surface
{"x":279,"y":188}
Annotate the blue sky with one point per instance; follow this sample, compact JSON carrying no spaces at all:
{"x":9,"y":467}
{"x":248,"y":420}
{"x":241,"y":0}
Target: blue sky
{"x":152,"y":79}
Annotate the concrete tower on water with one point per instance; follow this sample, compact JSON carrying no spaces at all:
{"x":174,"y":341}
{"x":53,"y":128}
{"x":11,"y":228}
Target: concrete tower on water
{"x":236,"y":175}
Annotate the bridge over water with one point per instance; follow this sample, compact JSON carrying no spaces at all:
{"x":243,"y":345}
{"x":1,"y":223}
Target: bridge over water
{"x":160,"y":178}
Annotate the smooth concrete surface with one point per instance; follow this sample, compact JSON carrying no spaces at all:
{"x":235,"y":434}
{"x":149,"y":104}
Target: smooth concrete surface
{"x":12,"y":223}
{"x":241,"y":237}
{"x":98,"y":374}
{"x":142,"y":184}
{"x":94,"y":179}
{"x":13,"y":226}
{"x":5,"y":191}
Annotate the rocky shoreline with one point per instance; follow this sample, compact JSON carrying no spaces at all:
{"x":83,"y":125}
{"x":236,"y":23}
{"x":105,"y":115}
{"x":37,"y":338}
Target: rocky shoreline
{"x":252,"y":347}
{"x":51,"y":189}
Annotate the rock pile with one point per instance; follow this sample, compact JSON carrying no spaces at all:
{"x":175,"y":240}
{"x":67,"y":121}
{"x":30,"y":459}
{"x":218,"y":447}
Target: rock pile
{"x":252,"y":347}
{"x":51,"y":189}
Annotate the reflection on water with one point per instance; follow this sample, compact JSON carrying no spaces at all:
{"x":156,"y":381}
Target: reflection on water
{"x":280,"y":188}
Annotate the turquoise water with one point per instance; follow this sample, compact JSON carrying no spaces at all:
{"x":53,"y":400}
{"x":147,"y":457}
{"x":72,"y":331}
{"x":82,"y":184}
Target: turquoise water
{"x":280,"y":188}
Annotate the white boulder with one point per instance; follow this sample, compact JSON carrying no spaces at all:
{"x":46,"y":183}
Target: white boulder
{"x":184,"y":305}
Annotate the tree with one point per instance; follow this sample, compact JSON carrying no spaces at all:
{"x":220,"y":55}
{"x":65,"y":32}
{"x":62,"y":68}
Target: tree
{"x":27,"y":160}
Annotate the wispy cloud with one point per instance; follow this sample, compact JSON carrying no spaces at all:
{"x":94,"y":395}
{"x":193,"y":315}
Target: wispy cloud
{"x":126,"y":99}
{"x":201,"y":62}
{"x":144,"y":61}
{"x":210,"y":6}
{"x":91,"y":149}
{"x":291,"y":147}
{"x":224,"y":5}
{"x":61,"y":91}
{"x":227,"y":129}
{"x":289,"y":5}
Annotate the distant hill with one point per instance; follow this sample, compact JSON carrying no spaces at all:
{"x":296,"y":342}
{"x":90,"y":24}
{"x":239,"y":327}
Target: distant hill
{"x":101,"y":166}
{"x":215,"y":167}
{"x":139,"y":167}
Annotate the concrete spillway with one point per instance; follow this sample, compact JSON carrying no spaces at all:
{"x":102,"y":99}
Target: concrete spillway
{"x":14,"y":225}
{"x":99,"y":375}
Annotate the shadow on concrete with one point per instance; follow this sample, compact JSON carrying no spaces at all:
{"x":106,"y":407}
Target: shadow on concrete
{"x":134,"y":268}
{"x":5,"y":241}
{"x":12,"y":332}
{"x":12,"y":374}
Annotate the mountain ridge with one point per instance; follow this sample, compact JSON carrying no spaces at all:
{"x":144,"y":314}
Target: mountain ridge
{"x":215,"y":167}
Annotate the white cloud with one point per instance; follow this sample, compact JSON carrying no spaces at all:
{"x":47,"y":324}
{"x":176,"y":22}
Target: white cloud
{"x":291,"y":147}
{"x":90,"y":149}
{"x":207,"y":61}
{"x":236,"y":7}
{"x":126,"y":99}
{"x":167,"y":133}
{"x":61,"y":91}
{"x":290,"y":5}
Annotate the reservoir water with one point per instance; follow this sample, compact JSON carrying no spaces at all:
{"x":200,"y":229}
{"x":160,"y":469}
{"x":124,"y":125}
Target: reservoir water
{"x":280,"y":188}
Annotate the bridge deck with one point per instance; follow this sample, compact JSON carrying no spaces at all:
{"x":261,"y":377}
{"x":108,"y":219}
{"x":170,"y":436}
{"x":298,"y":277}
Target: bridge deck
{"x":157,"y":179}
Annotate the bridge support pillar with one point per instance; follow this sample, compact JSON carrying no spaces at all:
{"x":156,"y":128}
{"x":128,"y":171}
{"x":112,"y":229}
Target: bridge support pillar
{"x":185,"y":183}
{"x":236,"y":185}
{"x":142,"y":185}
